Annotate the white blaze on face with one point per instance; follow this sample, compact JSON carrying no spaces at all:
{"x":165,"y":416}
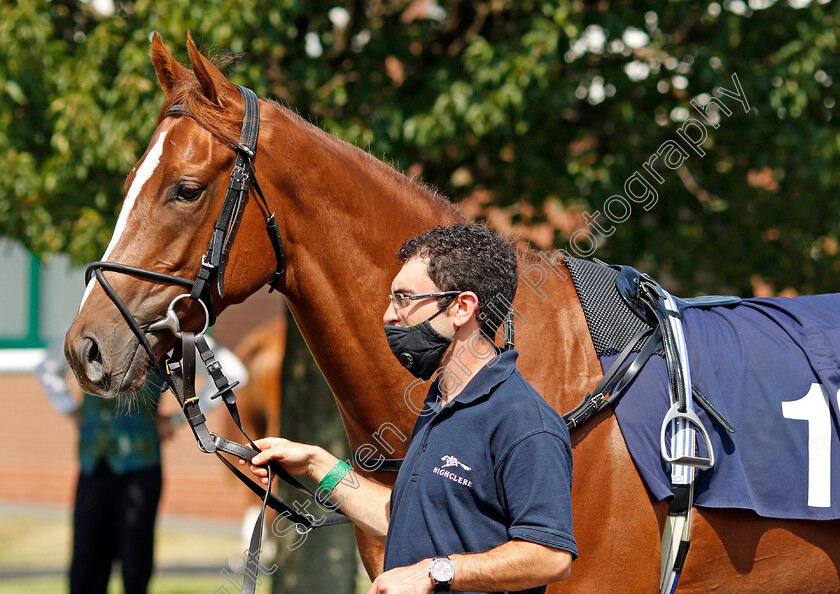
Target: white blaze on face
{"x":147,"y":168}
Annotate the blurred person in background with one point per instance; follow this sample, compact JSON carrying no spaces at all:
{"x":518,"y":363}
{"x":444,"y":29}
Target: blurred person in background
{"x":120,"y":476}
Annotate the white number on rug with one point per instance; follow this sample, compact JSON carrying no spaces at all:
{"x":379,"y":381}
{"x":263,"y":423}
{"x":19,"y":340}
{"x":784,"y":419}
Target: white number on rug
{"x":814,"y":408}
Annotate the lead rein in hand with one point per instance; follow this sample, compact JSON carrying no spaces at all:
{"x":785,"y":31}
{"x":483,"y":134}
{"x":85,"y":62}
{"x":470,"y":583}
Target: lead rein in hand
{"x":181,"y":367}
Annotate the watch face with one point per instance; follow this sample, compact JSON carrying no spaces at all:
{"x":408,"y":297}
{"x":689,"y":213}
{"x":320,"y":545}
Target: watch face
{"x":442,"y":570}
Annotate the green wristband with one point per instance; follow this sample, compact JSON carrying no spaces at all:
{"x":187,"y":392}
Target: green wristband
{"x":334,"y":476}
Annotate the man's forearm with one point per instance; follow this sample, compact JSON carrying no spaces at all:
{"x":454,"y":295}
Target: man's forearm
{"x":514,"y":565}
{"x":363,"y":500}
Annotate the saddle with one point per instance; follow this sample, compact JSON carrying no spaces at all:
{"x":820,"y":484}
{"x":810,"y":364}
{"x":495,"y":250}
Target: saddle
{"x":658,"y":309}
{"x":662,"y":314}
{"x":628,"y":282}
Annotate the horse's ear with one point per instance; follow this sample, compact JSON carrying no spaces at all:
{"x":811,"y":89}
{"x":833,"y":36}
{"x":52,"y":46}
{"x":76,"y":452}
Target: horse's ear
{"x":169,"y":70}
{"x":213,"y":83}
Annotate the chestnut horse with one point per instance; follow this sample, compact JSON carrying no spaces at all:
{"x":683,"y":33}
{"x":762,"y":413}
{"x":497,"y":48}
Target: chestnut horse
{"x":342,"y":215}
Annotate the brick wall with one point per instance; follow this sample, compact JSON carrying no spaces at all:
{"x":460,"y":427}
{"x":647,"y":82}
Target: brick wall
{"x":39,"y":463}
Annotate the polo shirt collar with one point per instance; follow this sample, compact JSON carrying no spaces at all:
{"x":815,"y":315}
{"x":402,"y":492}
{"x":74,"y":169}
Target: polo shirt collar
{"x":482,"y":383}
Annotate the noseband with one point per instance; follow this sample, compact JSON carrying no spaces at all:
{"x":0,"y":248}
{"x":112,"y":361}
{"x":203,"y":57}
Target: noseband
{"x":215,"y":260}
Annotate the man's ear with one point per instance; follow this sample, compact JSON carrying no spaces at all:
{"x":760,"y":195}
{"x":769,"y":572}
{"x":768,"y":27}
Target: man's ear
{"x":466,"y":307}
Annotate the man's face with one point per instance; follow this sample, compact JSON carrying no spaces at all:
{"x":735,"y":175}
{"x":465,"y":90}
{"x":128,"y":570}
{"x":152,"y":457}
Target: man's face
{"x":414,"y":279}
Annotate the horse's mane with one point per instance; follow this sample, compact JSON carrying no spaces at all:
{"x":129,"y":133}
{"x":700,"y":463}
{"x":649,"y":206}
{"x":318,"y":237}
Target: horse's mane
{"x":226,"y":125}
{"x":521,"y":246}
{"x":376,"y":166}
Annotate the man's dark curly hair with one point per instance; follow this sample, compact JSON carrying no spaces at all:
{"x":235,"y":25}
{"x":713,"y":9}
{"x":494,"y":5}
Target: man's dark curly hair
{"x":469,"y":258}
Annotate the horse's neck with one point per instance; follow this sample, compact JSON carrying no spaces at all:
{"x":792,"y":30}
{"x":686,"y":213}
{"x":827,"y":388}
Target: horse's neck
{"x":345,"y":217}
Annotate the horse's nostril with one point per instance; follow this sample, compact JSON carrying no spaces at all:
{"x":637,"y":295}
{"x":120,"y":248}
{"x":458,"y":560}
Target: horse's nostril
{"x":92,"y":362}
{"x":94,"y":355}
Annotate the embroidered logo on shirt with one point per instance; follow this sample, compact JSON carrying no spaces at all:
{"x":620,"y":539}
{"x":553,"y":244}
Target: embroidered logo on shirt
{"x":453,"y":461}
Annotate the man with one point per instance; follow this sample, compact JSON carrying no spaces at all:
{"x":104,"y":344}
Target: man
{"x":120,"y":479}
{"x":483,"y":500}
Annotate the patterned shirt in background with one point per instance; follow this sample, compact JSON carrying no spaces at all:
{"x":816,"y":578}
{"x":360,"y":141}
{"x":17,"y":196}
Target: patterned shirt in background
{"x":120,"y":431}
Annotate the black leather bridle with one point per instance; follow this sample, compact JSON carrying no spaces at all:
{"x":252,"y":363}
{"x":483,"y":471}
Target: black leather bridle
{"x":179,"y":373}
{"x":214,"y":261}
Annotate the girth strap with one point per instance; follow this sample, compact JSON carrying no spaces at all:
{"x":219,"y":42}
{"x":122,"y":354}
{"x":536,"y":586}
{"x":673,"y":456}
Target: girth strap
{"x":617,"y":378}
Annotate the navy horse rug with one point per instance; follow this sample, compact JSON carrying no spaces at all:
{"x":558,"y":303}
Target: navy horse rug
{"x":769,"y":365}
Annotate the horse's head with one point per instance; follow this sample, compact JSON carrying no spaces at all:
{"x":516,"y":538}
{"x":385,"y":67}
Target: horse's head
{"x":173,"y":199}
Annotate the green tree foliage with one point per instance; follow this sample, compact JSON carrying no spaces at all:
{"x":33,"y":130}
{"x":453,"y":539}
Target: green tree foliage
{"x":530,"y":112}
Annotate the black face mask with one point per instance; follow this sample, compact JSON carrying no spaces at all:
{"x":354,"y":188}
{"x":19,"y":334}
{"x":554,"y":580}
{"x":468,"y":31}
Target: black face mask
{"x":418,"y":348}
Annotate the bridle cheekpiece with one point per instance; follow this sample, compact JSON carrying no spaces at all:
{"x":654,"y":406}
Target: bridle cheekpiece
{"x":214,"y":261}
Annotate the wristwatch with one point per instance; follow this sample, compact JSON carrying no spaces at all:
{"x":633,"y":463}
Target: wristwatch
{"x":442,"y":572}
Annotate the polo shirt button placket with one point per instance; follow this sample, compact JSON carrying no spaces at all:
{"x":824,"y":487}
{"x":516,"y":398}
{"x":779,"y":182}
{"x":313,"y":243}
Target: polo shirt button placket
{"x":426,"y":436}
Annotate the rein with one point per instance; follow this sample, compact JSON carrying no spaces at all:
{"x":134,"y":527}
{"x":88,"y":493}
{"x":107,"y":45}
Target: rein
{"x":179,"y":370}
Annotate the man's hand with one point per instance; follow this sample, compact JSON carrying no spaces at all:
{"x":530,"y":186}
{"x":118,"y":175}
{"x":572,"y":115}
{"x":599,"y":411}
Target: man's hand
{"x":413,"y":579}
{"x":295,"y":458}
{"x":362,"y":499}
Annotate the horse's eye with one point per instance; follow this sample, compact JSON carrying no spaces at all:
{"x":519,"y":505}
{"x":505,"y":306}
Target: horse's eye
{"x":187,"y":191}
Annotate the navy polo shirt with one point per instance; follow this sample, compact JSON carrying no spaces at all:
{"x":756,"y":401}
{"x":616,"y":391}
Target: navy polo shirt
{"x":493,"y":465}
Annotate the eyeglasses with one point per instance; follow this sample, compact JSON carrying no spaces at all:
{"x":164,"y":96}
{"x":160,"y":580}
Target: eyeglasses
{"x":399,"y":300}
